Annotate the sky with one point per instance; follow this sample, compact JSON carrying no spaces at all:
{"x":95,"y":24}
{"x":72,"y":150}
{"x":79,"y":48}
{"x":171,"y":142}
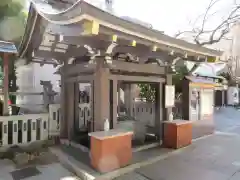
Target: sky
{"x":170,"y":16}
{"x":164,"y":15}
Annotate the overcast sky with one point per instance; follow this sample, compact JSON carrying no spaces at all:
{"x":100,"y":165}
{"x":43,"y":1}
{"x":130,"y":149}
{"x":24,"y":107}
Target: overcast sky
{"x":170,"y":15}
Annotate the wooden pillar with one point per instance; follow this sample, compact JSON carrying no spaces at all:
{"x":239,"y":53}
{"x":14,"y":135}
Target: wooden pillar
{"x":118,"y":97}
{"x":76,"y":104}
{"x":128,"y":98}
{"x":63,"y":120}
{"x":91,"y":101}
{"x":70,"y":109}
{"x":114,"y":102}
{"x":159,"y":111}
{"x":5,"y":84}
{"x":167,"y":110}
{"x":131,"y":102}
{"x":101,"y":95}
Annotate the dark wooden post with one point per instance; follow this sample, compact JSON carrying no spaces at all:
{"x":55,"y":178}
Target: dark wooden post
{"x":118,"y":96}
{"x":159,"y":111}
{"x":186,"y":99}
{"x":76,"y":104}
{"x":113,"y":102}
{"x":128,"y":98}
{"x":70,"y":108}
{"x":167,"y":110}
{"x":63,"y":121}
{"x":101,"y":87}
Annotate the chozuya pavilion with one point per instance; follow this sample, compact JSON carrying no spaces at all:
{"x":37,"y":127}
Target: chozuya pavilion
{"x":96,"y":47}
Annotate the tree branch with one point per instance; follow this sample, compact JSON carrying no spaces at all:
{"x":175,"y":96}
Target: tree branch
{"x":216,"y":34}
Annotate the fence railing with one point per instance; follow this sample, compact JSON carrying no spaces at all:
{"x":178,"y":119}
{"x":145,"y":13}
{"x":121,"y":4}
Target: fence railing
{"x":55,"y":113}
{"x":84,"y":114}
{"x":23,"y":129}
{"x":143,"y":111}
{"x":54,"y":119}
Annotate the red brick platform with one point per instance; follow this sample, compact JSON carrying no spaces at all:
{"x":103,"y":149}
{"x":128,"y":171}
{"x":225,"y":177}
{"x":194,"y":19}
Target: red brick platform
{"x":177,"y":134}
{"x":110,"y":150}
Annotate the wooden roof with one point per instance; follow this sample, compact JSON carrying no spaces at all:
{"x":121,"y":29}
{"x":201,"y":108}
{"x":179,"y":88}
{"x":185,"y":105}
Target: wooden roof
{"x":82,"y":13}
{"x":198,"y":80}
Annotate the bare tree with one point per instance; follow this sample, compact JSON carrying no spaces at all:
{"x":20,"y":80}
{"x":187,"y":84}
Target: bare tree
{"x":203,"y":32}
{"x":204,"y":35}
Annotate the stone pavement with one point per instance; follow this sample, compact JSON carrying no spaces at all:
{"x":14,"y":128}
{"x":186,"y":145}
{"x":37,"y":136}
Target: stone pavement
{"x":227,"y":120}
{"x":213,"y":158}
{"x":53,"y":171}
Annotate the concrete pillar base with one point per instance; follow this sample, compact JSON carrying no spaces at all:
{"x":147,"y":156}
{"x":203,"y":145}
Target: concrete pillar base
{"x":177,"y":134}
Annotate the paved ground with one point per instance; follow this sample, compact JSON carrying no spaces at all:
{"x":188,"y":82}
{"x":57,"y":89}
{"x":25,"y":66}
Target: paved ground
{"x":53,"y":172}
{"x":215,"y":157}
{"x":227,"y":120}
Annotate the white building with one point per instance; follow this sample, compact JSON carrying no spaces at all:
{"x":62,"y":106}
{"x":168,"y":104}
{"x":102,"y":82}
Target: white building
{"x":234,"y":50}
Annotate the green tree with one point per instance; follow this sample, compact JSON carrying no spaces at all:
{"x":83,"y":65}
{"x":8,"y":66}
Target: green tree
{"x":226,"y":75}
{"x":181,"y":72}
{"x":147,"y":91}
{"x":12,"y":20}
{"x":12,"y":24}
{"x":231,"y":80}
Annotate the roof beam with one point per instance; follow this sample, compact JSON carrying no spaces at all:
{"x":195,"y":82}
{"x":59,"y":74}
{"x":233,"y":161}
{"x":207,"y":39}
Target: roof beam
{"x":81,"y":78}
{"x":130,"y":38}
{"x":65,"y":30}
{"x":140,"y":50}
{"x":136,"y":68}
{"x":94,"y":42}
{"x":73,"y":69}
{"x":42,"y":61}
{"x":84,"y":27}
{"x":137,"y":79}
{"x":72,"y":52}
